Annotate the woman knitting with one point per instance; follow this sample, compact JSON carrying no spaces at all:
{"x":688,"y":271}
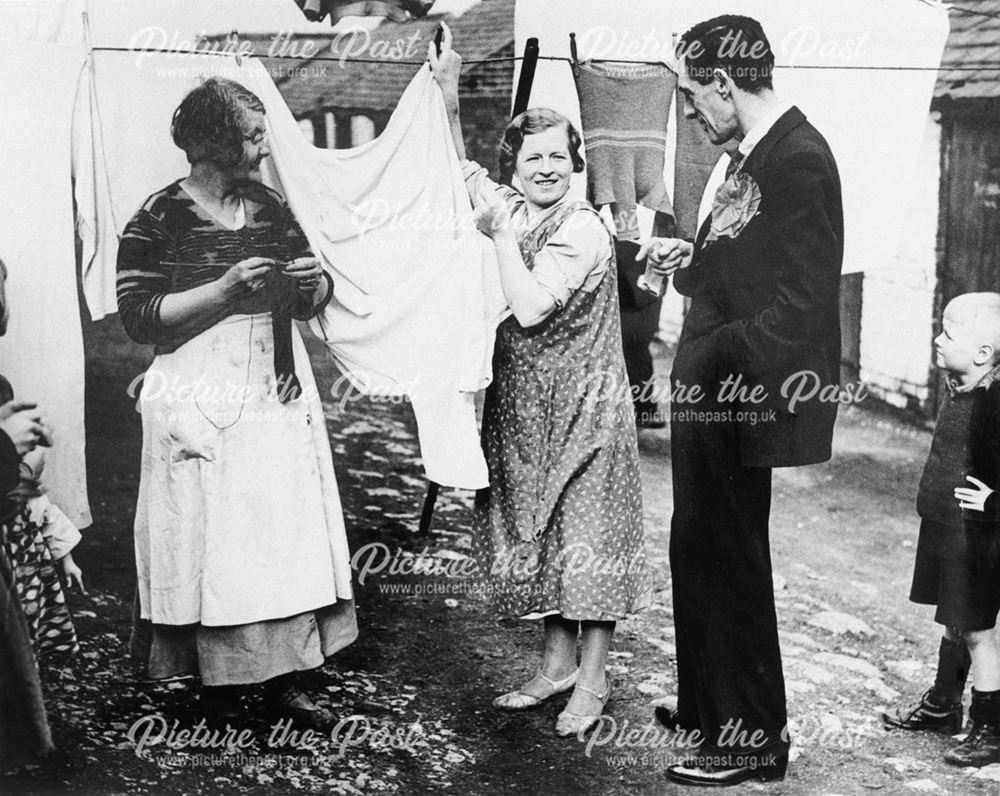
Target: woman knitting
{"x":243,"y":566}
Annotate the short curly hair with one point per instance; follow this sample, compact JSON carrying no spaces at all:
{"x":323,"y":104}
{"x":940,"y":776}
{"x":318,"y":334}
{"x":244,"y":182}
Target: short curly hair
{"x":213,"y":120}
{"x":537,"y":120}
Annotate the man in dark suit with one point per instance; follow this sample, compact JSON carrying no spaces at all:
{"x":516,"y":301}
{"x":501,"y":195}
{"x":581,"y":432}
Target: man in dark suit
{"x":761,"y":341}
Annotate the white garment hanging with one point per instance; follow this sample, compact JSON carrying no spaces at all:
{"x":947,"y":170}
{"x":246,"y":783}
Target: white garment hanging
{"x":417,"y":293}
{"x":42,"y":353}
{"x":400,"y":324}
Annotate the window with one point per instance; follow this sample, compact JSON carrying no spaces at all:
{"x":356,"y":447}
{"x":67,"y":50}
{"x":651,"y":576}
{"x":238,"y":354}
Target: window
{"x":330,"y":123}
{"x":362,"y":130}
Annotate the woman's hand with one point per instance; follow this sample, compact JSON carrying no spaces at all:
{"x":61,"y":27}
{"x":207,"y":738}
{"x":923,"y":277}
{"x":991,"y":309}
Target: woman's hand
{"x":71,"y":573}
{"x":246,"y":278}
{"x":446,"y":67}
{"x":973,"y":499}
{"x":307,"y":273}
{"x":665,"y":255}
{"x":492,"y":219}
{"x":24,"y":425}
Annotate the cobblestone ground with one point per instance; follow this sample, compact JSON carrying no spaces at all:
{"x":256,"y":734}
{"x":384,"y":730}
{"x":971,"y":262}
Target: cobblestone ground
{"x":413,"y":692}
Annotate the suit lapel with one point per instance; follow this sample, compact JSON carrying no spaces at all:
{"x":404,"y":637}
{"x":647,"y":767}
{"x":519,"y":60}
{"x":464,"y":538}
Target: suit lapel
{"x":788,"y":121}
{"x":703,"y":232}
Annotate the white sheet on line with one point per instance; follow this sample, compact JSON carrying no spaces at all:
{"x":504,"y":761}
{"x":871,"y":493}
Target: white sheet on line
{"x":121,"y":152}
{"x":42,"y":353}
{"x":418,"y":295}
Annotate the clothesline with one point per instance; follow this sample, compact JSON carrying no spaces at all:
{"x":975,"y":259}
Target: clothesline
{"x":339,"y":59}
{"x":988,"y":66}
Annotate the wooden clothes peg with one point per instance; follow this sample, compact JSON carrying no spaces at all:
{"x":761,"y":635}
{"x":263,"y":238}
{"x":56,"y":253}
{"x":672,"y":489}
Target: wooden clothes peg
{"x":235,"y":38}
{"x":527,"y":77}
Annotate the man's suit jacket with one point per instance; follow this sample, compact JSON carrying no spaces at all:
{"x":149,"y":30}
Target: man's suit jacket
{"x":765,"y":304}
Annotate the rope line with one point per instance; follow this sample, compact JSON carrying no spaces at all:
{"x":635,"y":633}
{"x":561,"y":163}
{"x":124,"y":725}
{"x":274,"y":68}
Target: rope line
{"x":992,"y":66}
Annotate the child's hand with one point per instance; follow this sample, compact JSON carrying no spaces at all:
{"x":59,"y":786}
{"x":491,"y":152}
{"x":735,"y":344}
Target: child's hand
{"x":23,"y":423}
{"x":72,"y":574}
{"x":974,"y":499}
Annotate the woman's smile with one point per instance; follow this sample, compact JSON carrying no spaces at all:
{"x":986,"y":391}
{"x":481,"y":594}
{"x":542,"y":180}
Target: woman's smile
{"x":544,"y":166}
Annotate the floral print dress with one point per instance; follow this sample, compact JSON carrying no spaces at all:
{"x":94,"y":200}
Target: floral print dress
{"x":560,"y":528}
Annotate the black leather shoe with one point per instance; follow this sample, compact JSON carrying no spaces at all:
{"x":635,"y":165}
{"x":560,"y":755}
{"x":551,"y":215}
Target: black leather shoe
{"x":981,"y":747}
{"x":926,"y":716}
{"x":293,"y":703}
{"x":701,"y":772}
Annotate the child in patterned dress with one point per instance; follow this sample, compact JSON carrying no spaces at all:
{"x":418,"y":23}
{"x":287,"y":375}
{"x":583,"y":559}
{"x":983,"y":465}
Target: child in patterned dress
{"x":38,"y":538}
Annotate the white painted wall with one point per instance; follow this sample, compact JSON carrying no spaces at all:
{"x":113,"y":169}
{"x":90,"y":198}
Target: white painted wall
{"x":898,"y":304}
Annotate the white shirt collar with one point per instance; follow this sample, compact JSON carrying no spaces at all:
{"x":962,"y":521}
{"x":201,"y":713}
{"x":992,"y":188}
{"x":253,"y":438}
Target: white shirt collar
{"x":763,"y":127}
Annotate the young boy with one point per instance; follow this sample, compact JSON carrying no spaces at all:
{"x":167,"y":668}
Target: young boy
{"x":957,"y":566}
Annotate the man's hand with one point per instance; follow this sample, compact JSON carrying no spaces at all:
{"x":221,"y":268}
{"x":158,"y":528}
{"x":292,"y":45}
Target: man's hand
{"x":35,"y":461}
{"x":973,"y":499}
{"x":665,"y":255}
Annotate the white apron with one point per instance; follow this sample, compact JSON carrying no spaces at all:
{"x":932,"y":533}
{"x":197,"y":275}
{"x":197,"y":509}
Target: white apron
{"x":238,"y":518}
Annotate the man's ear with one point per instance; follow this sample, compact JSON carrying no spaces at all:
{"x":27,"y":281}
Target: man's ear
{"x":723,"y":82}
{"x":985,"y":355}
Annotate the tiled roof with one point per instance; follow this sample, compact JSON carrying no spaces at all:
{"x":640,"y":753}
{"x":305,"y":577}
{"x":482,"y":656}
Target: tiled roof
{"x":970,"y":67}
{"x":484,"y":31}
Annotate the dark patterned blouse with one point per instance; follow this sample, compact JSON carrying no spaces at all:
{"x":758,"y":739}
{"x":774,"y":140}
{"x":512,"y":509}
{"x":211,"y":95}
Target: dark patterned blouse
{"x":173,"y":244}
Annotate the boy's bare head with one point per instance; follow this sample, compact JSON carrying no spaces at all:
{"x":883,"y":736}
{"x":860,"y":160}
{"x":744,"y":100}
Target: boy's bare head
{"x":969,"y":342}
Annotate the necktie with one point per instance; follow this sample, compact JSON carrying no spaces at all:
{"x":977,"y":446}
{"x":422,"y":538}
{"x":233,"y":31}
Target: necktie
{"x":736,"y":158}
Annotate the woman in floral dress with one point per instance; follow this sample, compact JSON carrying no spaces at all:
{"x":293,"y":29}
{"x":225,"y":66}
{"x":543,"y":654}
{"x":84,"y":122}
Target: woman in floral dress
{"x":560,"y":529}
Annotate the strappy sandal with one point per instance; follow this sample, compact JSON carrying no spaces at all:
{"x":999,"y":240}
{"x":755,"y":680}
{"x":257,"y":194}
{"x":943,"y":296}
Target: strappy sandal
{"x":573,"y":724}
{"x":518,"y":700}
